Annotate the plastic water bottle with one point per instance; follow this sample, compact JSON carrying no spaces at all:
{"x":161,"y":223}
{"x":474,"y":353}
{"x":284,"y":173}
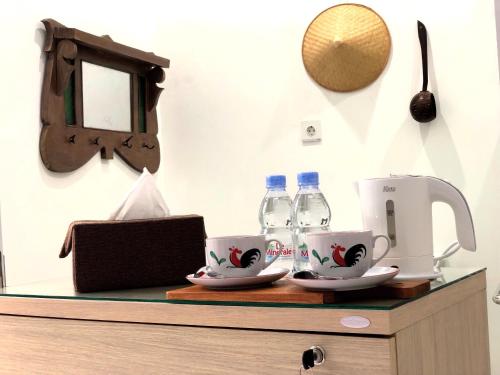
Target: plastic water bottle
{"x":276,"y":222}
{"x":311,"y":214}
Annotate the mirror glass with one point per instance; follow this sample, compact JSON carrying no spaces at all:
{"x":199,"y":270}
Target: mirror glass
{"x":106,"y":98}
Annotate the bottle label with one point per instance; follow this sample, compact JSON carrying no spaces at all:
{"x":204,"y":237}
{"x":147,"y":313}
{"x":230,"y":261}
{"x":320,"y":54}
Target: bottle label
{"x":272,"y":250}
{"x":302,"y":253}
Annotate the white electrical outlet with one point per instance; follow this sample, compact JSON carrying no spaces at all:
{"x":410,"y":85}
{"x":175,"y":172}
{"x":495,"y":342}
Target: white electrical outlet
{"x":311,"y":130}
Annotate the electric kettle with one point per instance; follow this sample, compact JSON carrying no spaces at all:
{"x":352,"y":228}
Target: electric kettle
{"x":401,"y":207}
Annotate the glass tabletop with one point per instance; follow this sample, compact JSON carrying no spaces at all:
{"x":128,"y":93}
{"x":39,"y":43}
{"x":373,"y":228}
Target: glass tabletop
{"x":63,"y":289}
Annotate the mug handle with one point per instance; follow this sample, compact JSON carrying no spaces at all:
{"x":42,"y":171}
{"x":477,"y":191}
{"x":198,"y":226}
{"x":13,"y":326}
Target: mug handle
{"x":267,"y":264}
{"x":374,"y":239}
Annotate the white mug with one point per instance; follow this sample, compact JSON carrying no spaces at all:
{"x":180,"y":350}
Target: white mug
{"x":239,"y":256}
{"x":343,"y":254}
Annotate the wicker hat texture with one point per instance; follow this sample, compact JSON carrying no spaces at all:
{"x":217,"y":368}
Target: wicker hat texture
{"x":346,"y":47}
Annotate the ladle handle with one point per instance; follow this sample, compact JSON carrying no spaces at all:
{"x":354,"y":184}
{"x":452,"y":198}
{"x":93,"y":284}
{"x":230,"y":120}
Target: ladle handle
{"x":422,"y":36}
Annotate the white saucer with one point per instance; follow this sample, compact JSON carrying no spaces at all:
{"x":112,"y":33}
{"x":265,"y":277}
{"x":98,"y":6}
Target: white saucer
{"x":264,"y":277}
{"x":418,"y":276}
{"x":373,"y":277}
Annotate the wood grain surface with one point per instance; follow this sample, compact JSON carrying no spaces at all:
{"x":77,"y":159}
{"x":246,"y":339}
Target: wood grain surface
{"x":61,"y":346}
{"x":452,"y":342}
{"x":284,"y":292}
{"x":383,"y":322}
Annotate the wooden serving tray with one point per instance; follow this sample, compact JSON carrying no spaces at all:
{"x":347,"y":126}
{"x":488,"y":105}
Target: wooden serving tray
{"x":283,"y":292}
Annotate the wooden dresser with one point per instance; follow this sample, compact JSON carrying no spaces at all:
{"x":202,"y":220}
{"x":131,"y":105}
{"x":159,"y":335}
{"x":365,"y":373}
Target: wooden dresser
{"x":46,"y":328}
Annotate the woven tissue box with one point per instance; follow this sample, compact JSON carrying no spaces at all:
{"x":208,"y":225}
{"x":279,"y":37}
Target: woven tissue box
{"x":127,"y":254}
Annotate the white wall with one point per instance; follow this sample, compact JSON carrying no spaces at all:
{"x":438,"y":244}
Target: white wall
{"x":237,"y":91}
{"x":37,"y":205}
{"x":235,"y":95}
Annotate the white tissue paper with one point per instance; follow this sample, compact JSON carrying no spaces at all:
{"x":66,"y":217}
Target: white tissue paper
{"x":143,"y":201}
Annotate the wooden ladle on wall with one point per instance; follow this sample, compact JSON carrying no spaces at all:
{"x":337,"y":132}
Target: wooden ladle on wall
{"x":423,"y":105}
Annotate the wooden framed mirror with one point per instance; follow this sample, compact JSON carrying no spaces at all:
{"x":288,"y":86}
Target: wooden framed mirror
{"x":98,"y":96}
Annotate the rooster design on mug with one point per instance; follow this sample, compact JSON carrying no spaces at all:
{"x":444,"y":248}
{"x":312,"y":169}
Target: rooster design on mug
{"x":350,"y":257}
{"x":245,"y":260}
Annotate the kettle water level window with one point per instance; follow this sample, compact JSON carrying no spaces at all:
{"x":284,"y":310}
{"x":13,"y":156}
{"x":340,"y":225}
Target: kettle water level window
{"x":391,"y":222}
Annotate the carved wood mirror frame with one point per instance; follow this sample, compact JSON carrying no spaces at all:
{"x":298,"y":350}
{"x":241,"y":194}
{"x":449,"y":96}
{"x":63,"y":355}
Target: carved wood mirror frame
{"x":65,"y":143}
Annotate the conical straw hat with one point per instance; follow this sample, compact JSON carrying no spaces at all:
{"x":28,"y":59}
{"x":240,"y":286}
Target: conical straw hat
{"x":346,"y":47}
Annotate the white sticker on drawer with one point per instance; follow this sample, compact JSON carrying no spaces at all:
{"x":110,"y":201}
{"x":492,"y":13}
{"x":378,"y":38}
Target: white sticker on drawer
{"x":355,"y":321}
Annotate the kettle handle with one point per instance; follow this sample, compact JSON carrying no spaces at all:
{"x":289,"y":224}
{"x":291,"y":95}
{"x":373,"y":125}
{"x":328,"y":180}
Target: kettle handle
{"x":442,"y":191}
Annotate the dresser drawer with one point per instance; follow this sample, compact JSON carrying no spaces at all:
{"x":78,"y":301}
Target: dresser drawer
{"x":63,"y":346}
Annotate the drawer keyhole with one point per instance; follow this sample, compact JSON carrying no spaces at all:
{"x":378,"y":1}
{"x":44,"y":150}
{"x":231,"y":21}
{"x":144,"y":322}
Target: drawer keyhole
{"x":314,"y":356}
{"x":308,"y":359}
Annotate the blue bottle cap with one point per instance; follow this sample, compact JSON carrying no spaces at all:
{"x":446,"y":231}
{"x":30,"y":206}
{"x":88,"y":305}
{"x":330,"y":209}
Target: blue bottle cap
{"x":275,"y":181}
{"x":308,"y":179}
